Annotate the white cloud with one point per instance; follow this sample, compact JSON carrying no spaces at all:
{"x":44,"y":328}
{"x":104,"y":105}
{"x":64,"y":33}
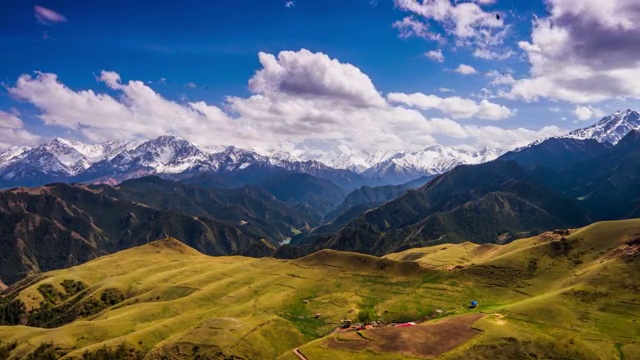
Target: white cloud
{"x":554,"y":109}
{"x":465,"y":22}
{"x":289,"y":4}
{"x":48,"y":16}
{"x":297,"y":98}
{"x":111,"y":79}
{"x":498,"y":78}
{"x":585,"y":113}
{"x":454,"y":106}
{"x":12,"y":132}
{"x":465,"y":69}
{"x":435,"y":55}
{"x":445,"y":89}
{"x":410,"y":26}
{"x":191,"y":85}
{"x":585,"y":52}
{"x":492,"y":54}
{"x":138,"y":113}
{"x":500,"y":138}
{"x":9,"y":121}
{"x":313,"y":75}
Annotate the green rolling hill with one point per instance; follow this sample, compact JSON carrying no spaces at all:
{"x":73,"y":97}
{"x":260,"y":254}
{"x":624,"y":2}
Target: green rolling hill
{"x":569,"y":294}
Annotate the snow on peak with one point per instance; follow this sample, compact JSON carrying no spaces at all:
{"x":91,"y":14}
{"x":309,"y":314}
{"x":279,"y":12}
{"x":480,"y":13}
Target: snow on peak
{"x":433,"y":160}
{"x":611,"y":128}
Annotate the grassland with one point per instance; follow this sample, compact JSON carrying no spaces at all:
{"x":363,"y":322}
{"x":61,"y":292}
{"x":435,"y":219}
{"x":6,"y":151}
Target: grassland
{"x":552,"y":296}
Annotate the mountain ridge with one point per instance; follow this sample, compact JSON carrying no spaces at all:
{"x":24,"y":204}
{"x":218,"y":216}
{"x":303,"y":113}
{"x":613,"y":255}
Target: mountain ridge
{"x":115,"y":161}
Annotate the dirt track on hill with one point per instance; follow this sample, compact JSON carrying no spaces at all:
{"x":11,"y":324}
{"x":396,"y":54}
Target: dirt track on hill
{"x":425,"y":340}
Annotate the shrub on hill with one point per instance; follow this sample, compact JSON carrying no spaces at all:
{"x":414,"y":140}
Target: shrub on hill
{"x":5,"y":349}
{"x":366,"y":315}
{"x":46,"y":351}
{"x":119,"y":353}
{"x":51,"y":313}
{"x":72,"y":287}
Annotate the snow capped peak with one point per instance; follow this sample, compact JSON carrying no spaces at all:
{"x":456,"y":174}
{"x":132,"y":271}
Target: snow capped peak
{"x":611,"y":128}
{"x":64,"y":151}
{"x":165,"y":154}
{"x":408,"y":165}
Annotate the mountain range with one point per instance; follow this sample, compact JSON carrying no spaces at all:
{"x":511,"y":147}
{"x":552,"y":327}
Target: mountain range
{"x":558,"y":183}
{"x":62,"y":225}
{"x":237,"y":201}
{"x":113,"y":162}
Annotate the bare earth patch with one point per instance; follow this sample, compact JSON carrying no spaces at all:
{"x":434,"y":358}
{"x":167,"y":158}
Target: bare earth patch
{"x":424,"y":340}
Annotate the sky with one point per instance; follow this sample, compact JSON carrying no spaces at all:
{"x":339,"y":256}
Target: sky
{"x":315,"y":74}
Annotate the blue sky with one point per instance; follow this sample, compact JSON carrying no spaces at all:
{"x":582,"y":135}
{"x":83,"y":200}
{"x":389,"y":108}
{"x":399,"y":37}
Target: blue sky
{"x":196,"y":51}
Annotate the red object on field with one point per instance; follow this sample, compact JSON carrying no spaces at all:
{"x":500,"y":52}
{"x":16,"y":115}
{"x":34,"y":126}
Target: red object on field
{"x":406,"y":324}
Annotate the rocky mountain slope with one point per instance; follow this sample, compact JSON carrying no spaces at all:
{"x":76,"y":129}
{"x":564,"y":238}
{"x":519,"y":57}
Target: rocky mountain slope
{"x":556,"y":183}
{"x":62,"y":225}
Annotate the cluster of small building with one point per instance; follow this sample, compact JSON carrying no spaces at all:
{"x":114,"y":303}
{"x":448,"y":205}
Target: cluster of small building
{"x":348,"y":325}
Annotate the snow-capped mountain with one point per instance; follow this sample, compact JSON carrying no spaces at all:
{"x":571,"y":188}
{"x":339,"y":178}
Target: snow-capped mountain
{"x":71,"y":157}
{"x":408,"y":165}
{"x":357,"y":161}
{"x":9,"y":155}
{"x":55,"y":160}
{"x":163,"y":155}
{"x":611,"y":128}
{"x":114,"y":161}
{"x":101,"y":151}
{"x":397,"y":166}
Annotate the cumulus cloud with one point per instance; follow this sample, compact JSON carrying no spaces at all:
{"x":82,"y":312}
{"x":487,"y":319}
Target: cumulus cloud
{"x":297,"y":97}
{"x":585,"y":113}
{"x":9,"y":121}
{"x":465,"y":69}
{"x":12,"y":132}
{"x":410,"y":26}
{"x":466,"y":23}
{"x":585,"y":51}
{"x":47,"y":16}
{"x":500,"y":138}
{"x":138,"y":113}
{"x":454,"y":106}
{"x":313,"y":75}
{"x":498,"y":78}
{"x":111,"y":79}
{"x":435,"y":55}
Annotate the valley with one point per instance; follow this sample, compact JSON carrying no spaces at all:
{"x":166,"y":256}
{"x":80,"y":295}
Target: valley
{"x":320,"y":180}
{"x":256,"y":261}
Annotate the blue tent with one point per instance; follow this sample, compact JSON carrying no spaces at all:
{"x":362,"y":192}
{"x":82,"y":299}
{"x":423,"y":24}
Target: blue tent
{"x":474,"y":303}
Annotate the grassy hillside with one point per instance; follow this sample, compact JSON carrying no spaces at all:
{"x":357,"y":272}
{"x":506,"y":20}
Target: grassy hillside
{"x":558,"y":295}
